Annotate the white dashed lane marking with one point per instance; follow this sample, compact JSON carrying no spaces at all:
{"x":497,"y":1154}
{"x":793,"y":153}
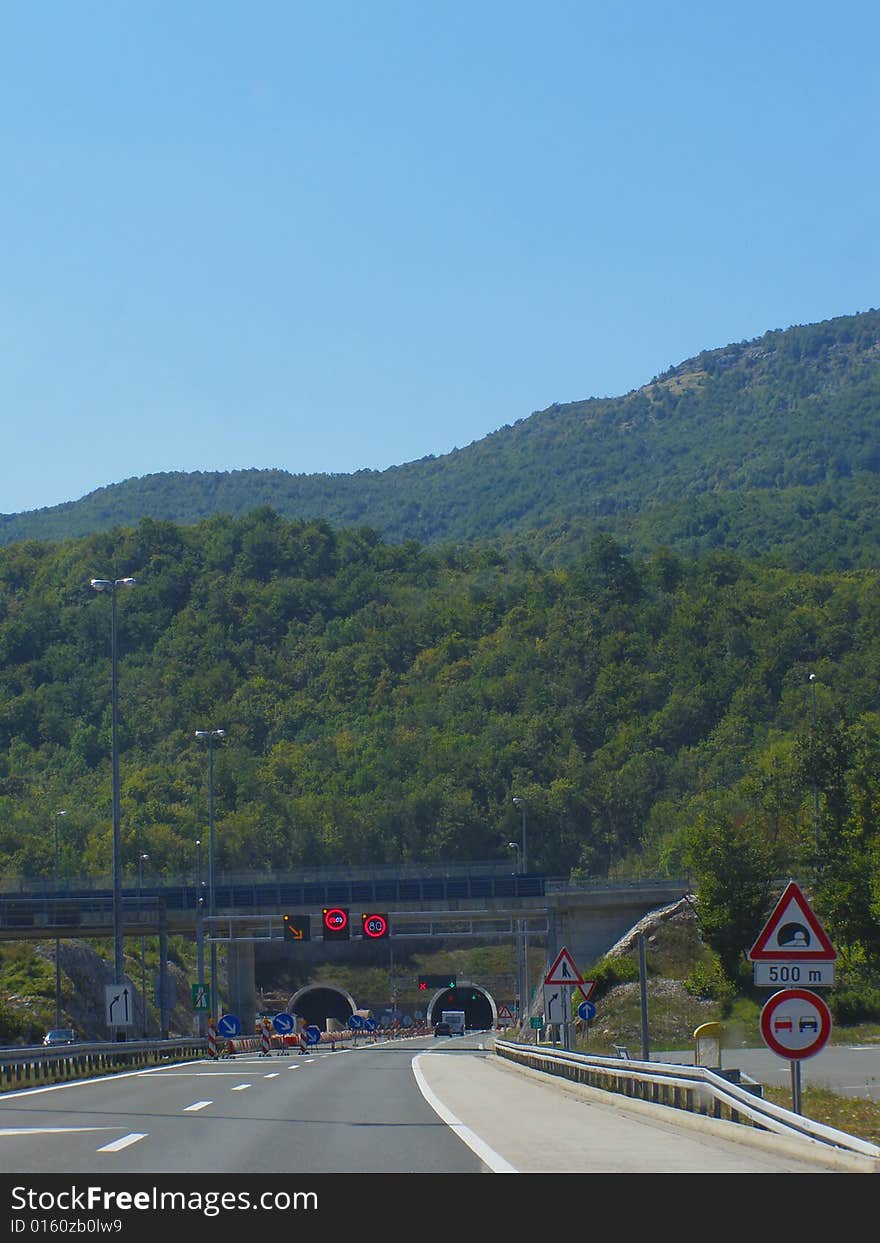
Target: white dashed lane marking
{"x":125,"y":1142}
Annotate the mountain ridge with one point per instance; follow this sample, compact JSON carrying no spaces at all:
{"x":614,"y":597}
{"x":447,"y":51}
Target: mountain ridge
{"x":785,"y":423}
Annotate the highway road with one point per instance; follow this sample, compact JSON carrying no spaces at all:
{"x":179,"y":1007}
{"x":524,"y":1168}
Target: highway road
{"x":849,"y":1070}
{"x":398,"y":1106}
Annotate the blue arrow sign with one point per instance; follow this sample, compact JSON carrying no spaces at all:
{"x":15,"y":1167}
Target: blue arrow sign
{"x":313,"y":1034}
{"x":370,"y":1025}
{"x":283,"y":1023}
{"x":229,"y":1025}
{"x":586,"y":1011}
{"x":355,"y":1022}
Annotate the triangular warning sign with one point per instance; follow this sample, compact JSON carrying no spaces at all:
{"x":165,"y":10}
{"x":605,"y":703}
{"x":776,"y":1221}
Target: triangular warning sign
{"x":792,"y":933}
{"x":563,"y":970}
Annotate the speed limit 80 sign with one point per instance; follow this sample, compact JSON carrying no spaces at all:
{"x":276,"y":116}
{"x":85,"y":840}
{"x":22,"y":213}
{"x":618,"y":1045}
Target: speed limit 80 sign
{"x":374,"y":926}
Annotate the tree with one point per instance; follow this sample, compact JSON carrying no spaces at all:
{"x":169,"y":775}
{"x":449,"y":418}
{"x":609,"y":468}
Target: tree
{"x":732,"y":863}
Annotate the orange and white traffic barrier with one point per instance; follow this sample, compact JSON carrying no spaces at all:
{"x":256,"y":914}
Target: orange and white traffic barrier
{"x":212,"y":1039}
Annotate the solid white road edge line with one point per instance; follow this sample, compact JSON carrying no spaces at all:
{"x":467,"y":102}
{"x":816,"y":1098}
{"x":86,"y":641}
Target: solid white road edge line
{"x":487,"y":1155}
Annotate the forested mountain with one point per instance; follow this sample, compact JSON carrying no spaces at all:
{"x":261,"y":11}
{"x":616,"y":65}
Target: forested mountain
{"x":385,"y":702}
{"x":768,"y":447}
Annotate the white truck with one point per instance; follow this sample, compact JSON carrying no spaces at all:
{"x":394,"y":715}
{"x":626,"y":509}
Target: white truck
{"x":455,"y":1019}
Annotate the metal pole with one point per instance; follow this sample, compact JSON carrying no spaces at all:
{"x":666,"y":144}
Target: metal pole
{"x":209,"y":735}
{"x":112,"y":585}
{"x":215,"y":991}
{"x":517,"y":932}
{"x":795,"y":1086}
{"x":200,"y":932}
{"x":118,"y":949}
{"x":163,"y":970}
{"x":521,"y":803}
{"x":643,"y":989}
{"x":392,"y":987}
{"x":141,"y":858}
{"x":57,"y":939}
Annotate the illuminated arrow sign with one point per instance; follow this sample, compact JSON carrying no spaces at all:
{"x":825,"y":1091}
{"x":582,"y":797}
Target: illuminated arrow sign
{"x":297,"y":927}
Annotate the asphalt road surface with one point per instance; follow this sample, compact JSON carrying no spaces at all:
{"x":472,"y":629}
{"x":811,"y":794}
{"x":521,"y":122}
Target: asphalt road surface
{"x":406,"y":1106}
{"x":849,"y":1070}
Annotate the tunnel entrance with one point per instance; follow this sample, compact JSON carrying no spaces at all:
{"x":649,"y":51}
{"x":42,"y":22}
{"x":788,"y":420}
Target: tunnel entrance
{"x":478,"y":1006}
{"x":316,"y":1003}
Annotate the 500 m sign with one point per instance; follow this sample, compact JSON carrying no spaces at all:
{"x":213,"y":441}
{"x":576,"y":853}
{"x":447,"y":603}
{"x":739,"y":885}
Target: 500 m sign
{"x":784,"y":975}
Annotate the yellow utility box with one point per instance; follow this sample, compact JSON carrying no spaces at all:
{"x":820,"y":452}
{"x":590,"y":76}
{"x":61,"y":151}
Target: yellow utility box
{"x":707,"y":1045}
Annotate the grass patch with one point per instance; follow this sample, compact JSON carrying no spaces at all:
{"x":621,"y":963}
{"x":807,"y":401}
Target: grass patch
{"x":856,"y":1116}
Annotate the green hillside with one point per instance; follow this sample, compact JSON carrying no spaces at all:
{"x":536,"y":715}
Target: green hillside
{"x":383,"y":703}
{"x":769,"y":447}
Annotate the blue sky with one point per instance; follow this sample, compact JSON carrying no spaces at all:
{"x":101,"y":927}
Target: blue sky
{"x":335,"y":236}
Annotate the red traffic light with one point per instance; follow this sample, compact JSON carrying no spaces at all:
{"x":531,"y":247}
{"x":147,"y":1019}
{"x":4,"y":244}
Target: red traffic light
{"x":374,"y":926}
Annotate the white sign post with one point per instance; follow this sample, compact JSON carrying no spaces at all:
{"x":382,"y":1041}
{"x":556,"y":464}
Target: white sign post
{"x":559,"y":981}
{"x":793,"y":950}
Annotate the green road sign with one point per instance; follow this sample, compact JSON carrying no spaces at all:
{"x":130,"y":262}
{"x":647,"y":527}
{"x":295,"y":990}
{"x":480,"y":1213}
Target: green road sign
{"x":536,"y":1023}
{"x":201,"y":996}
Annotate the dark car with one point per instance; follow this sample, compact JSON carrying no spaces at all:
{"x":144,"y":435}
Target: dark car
{"x":60,"y":1035}
{"x":442,"y":1029}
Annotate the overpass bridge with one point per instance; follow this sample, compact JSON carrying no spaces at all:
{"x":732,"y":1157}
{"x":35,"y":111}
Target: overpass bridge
{"x":440,"y":903}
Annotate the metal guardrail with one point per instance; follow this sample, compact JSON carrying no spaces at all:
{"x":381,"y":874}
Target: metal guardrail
{"x":31,"y":1067}
{"x":21,"y":1067}
{"x":695,"y":1089}
{"x":11,"y":882}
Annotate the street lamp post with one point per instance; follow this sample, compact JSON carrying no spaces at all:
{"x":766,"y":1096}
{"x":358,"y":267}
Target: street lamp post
{"x":521,"y":804}
{"x":200,"y":929}
{"x":209,"y":735}
{"x":112,"y":585}
{"x":519,"y":969}
{"x":58,"y":814}
{"x":142,"y":858}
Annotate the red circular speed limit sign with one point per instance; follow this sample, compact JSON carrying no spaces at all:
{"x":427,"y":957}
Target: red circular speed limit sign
{"x":795,"y":1023}
{"x":374,"y":926}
